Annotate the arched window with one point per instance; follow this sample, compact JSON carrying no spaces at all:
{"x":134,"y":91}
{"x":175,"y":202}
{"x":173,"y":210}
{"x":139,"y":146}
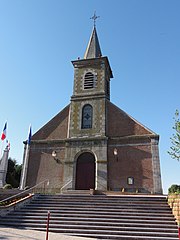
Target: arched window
{"x":89,"y":80}
{"x":87,"y":113}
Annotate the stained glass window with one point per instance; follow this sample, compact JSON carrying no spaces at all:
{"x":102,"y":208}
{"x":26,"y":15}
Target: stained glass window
{"x":87,"y":113}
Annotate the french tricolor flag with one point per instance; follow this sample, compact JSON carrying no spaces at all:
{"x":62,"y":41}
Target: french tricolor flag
{"x":3,"y":136}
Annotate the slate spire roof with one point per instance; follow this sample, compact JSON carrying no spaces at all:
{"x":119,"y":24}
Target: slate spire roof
{"x":93,"y":49}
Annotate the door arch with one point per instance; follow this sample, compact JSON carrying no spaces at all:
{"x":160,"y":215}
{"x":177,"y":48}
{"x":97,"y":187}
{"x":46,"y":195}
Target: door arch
{"x":85,"y":171}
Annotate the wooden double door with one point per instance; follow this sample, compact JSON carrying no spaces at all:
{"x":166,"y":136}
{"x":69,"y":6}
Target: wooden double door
{"x":85,"y":172}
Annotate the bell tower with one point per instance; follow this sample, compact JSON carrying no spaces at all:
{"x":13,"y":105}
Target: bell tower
{"x":87,"y":117}
{"x":91,"y":89}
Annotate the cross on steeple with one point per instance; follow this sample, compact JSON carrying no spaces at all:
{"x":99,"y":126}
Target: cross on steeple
{"x":94,"y":17}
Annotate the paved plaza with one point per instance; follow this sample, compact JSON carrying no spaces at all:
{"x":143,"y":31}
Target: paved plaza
{"x":7,"y":233}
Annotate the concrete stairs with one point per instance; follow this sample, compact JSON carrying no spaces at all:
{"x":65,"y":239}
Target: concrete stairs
{"x":98,"y":216}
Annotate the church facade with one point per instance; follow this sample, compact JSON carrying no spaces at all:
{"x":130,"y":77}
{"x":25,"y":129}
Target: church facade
{"x":91,"y":143}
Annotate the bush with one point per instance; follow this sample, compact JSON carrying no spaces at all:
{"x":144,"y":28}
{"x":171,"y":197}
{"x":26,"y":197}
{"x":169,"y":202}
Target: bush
{"x":13,"y":173}
{"x":7,"y":186}
{"x":174,"y":189}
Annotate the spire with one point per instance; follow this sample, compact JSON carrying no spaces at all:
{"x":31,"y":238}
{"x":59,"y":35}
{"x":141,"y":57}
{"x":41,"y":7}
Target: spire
{"x":93,"y":49}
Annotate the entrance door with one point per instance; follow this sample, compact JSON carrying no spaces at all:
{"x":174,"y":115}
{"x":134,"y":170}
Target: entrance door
{"x":85,"y":172}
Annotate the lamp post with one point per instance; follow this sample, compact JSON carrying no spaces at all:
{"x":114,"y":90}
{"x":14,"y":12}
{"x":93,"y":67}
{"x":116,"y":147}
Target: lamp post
{"x":54,"y":155}
{"x":115,"y":153}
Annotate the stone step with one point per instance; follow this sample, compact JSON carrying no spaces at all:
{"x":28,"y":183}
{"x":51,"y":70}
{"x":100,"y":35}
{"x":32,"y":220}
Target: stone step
{"x":103,"y":198}
{"x":92,"y":213}
{"x":95,"y":224}
{"x":61,"y":201}
{"x":103,"y":204}
{"x":101,"y":217}
{"x":75,"y":192}
{"x":99,"y":233}
{"x":99,"y":208}
{"x":123,"y":237}
{"x":97,"y":202}
{"x":91,"y":220}
{"x":146,"y":230}
{"x":100,"y":196}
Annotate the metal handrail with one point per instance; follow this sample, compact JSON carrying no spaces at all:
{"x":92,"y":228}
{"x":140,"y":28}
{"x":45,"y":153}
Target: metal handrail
{"x":23,"y":192}
{"x":65,"y":185}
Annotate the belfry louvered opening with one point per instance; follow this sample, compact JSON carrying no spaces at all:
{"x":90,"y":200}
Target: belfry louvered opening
{"x":89,"y":81}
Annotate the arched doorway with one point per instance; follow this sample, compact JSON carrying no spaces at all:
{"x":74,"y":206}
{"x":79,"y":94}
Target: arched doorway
{"x":85,"y":172}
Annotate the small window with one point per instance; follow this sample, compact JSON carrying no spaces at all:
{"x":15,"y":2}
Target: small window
{"x":89,"y":81}
{"x":130,"y":180}
{"x":87,"y":112}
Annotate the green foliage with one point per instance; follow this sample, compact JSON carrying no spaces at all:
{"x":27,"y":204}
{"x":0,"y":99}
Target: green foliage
{"x":7,"y":186}
{"x":13,"y":173}
{"x":174,"y":189}
{"x":175,"y":139}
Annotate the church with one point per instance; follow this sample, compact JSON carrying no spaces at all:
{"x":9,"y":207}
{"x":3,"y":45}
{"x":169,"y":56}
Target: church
{"x":92,"y":143}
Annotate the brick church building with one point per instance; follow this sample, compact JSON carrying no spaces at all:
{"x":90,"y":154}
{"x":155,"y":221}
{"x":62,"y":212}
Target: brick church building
{"x":92,"y":143}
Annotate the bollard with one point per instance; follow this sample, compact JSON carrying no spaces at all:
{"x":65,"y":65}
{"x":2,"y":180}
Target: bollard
{"x":47,"y":226}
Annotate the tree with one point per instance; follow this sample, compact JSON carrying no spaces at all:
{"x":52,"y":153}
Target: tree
{"x":174,"y":189}
{"x":175,"y":139}
{"x":13,"y":173}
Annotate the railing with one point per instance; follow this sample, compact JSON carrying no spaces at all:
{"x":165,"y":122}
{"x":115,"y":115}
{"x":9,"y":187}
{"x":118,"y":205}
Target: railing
{"x":38,"y":188}
{"x":65,"y":185}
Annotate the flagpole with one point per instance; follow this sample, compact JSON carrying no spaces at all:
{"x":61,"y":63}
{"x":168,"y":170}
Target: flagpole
{"x":3,"y":136}
{"x":2,"y":147}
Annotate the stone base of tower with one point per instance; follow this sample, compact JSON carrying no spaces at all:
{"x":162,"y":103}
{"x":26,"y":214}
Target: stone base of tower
{"x":86,"y":161}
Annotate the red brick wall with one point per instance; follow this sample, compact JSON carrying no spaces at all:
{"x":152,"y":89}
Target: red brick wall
{"x":56,"y":128}
{"x":121,"y":124}
{"x":42,"y":166}
{"x":132,"y":141}
{"x":131,"y":161}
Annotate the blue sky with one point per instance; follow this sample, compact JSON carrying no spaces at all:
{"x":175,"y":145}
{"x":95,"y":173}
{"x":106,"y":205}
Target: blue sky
{"x":40,"y":38}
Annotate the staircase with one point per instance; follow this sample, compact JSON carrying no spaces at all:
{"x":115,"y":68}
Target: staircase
{"x":98,"y":216}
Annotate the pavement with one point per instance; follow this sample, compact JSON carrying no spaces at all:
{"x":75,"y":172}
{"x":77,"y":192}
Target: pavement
{"x":8,"y":233}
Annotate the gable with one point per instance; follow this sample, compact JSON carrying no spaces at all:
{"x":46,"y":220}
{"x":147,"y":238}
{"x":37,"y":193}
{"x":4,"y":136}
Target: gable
{"x":56,"y":128}
{"x":120,"y":124}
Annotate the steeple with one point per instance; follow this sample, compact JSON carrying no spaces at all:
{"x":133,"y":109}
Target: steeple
{"x":93,"y":49}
